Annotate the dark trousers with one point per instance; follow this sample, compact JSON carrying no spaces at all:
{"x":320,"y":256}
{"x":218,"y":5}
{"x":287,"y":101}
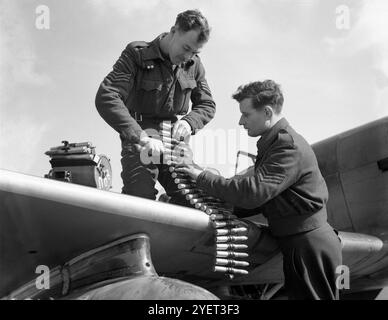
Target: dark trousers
{"x":310,"y":260}
{"x":139,"y":178}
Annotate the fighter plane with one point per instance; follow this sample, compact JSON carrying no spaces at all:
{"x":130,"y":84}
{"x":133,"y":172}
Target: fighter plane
{"x":98,"y":244}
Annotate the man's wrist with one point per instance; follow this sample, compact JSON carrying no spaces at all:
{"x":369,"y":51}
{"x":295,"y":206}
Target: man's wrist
{"x":189,"y":127}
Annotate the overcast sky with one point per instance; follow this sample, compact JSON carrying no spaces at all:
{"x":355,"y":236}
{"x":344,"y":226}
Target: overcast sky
{"x":334,"y":74}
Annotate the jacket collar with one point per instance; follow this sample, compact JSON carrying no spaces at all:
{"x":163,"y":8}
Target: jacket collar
{"x":153,"y":51}
{"x":268,"y":138}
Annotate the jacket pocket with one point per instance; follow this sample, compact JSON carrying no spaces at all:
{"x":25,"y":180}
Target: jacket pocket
{"x":151,"y":95}
{"x":150,"y":85}
{"x":187,"y":86}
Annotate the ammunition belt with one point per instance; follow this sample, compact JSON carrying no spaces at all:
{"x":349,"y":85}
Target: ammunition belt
{"x":230,"y":233}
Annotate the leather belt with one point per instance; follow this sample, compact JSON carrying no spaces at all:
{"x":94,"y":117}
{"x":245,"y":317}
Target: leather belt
{"x":139,"y":117}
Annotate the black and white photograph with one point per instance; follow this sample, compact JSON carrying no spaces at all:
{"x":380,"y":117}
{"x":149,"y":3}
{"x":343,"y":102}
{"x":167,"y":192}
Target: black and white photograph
{"x":168,"y":150}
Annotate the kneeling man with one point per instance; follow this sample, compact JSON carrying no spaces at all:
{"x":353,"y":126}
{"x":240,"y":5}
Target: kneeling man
{"x":288,"y":188}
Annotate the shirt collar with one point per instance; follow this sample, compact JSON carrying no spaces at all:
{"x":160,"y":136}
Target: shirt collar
{"x":267,"y":139}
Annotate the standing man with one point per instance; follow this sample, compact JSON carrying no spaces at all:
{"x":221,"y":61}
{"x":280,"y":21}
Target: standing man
{"x":288,"y":188}
{"x":153,"y":83}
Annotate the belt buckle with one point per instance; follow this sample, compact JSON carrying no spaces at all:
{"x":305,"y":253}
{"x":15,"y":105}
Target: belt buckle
{"x":138,"y":117}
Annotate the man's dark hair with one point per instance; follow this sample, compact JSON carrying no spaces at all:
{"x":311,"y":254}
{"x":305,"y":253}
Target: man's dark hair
{"x":263,"y":93}
{"x":193,"y":20}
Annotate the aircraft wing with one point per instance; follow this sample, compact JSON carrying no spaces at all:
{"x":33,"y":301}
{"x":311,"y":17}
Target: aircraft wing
{"x":47,"y":222}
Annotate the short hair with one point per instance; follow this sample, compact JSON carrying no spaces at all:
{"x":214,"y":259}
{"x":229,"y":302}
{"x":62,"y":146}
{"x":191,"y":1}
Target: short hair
{"x":263,"y":93}
{"x":193,"y":20}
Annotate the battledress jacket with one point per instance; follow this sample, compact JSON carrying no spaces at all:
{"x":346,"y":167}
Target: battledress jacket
{"x":145,"y":85}
{"x":286,"y":186}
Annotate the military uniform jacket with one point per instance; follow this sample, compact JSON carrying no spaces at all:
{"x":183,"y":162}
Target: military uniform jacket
{"x":145,"y":82}
{"x":286,"y":186}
